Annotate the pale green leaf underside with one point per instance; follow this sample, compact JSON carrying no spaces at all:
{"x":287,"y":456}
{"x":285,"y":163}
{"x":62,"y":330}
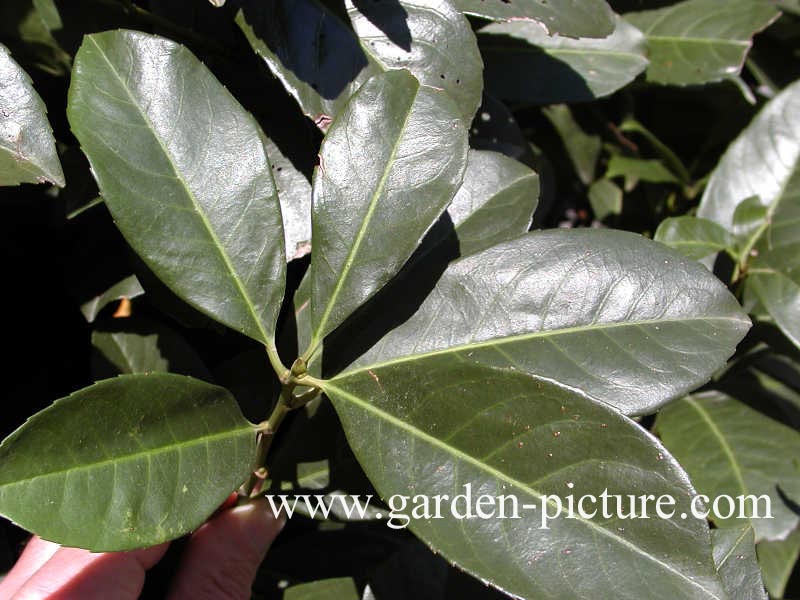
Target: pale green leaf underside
{"x":620,"y":318}
{"x":443,"y":423}
{"x":569,"y":18}
{"x":525,"y":64}
{"x":27,"y":148}
{"x":701,"y":41}
{"x":384,"y":178}
{"x":729,"y":448}
{"x":183,"y":170}
{"x":735,"y":558}
{"x":126,"y":463}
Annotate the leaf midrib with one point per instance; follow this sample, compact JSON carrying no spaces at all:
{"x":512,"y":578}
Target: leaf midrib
{"x":521,"y":337}
{"x":723,"y":442}
{"x":373,"y":205}
{"x":177,"y":446}
{"x":328,"y":385}
{"x":267,"y":339}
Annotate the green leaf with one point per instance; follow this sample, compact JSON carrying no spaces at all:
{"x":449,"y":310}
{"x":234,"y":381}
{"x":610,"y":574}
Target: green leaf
{"x":780,"y":296}
{"x":27,"y":148}
{"x":650,"y":170}
{"x":701,"y":41}
{"x":129,"y":287}
{"x":583,"y":149}
{"x":126,"y":463}
{"x":770,"y":147}
{"x":777,"y":561}
{"x":729,"y":448}
{"x":748,"y":220}
{"x":610,"y":314}
{"x":495,"y":202}
{"x":341,"y":588}
{"x":183,"y":170}
{"x":430,"y":38}
{"x":605,"y":198}
{"x":444,"y":423}
{"x":322,"y":62}
{"x":524,"y":64}
{"x":374,"y":166}
{"x":141,"y":345}
{"x":284,"y":33}
{"x":693,"y":237}
{"x":588,"y":18}
{"x":294,"y":192}
{"x":735,"y":558}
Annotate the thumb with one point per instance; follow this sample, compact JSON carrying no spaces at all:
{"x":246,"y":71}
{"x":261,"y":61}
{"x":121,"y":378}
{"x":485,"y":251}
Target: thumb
{"x":222,"y":557}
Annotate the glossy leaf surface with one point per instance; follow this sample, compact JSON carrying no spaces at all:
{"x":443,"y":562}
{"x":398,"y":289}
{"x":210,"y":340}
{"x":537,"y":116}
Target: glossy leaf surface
{"x":444,"y":423}
{"x":620,"y":318}
{"x":126,"y":463}
{"x":187,"y":181}
{"x":770,"y":147}
{"x":27,"y":148}
{"x":385,"y":176}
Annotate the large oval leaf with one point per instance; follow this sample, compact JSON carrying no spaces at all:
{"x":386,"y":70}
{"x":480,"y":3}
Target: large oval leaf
{"x":389,"y":167}
{"x":700,"y":41}
{"x":618,"y":317}
{"x":126,"y":463}
{"x":587,"y":18}
{"x":770,"y":147}
{"x":430,"y":38}
{"x":444,"y":423}
{"x":183,"y":170}
{"x":27,"y":148}
{"x":729,"y":448}
{"x":559,"y":69}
